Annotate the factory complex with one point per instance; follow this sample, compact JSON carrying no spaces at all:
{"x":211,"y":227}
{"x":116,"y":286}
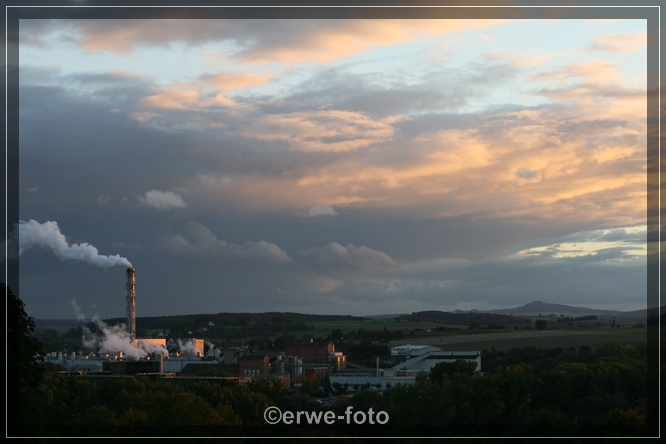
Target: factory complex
{"x":236,"y":363}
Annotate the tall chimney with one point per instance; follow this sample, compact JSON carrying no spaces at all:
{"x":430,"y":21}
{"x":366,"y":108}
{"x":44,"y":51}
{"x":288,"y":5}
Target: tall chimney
{"x":131,"y":304}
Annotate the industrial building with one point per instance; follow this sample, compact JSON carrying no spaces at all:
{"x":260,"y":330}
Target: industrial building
{"x":253,"y":365}
{"x":408,"y":350}
{"x":318,"y":353}
{"x":406,"y":372}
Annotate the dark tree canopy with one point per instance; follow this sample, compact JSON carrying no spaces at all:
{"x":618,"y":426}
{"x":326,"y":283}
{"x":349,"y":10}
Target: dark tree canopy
{"x":438,"y":372}
{"x":541,"y":324}
{"x":24,"y":349}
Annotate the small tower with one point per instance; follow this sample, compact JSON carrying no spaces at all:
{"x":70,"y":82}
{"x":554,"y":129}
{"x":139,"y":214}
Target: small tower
{"x":131,"y":304}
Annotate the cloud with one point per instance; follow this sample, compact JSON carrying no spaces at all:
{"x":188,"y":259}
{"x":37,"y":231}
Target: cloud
{"x":609,"y":245}
{"x":631,"y":42}
{"x":170,"y":98}
{"x":198,"y":240}
{"x":319,"y":210}
{"x":524,"y":173}
{"x":228,"y":80}
{"x":162,"y":200}
{"x":335,"y":255}
{"x":321,"y":130}
{"x":430,"y":154}
{"x":250,"y":41}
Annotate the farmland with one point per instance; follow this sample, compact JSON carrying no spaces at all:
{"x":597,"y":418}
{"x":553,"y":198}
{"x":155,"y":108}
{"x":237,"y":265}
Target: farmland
{"x":504,"y":340}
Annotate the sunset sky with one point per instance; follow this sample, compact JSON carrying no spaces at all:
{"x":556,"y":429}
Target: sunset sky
{"x":335,"y":166}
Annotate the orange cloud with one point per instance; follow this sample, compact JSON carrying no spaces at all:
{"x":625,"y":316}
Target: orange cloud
{"x":285,"y":41}
{"x":323,"y":130}
{"x":632,"y":42}
{"x":595,"y":70}
{"x":336,"y":39}
{"x":228,"y":80}
{"x":171,"y":99}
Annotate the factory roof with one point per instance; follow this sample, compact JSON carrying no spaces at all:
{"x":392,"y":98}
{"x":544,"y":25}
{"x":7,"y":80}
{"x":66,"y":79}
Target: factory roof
{"x":195,"y":369}
{"x":253,"y":357}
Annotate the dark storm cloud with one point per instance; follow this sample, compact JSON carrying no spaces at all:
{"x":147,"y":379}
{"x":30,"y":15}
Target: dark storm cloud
{"x":58,"y":125}
{"x":201,"y":184}
{"x":195,"y":238}
{"x":336,"y":255}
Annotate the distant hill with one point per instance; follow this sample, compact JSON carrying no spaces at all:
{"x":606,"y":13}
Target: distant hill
{"x":504,"y":316}
{"x":536,"y":308}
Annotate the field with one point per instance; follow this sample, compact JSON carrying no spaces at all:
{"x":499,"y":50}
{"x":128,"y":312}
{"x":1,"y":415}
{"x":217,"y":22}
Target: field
{"x":504,"y":340}
{"x":454,"y":337}
{"x":459,"y":338}
{"x":324,"y":328}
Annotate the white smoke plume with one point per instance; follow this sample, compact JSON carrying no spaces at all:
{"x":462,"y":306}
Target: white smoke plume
{"x":115,"y":338}
{"x":79,"y":313}
{"x":188,"y":347}
{"x":48,"y":235}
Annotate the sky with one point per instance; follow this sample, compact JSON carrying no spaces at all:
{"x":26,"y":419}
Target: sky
{"x":332,"y":166}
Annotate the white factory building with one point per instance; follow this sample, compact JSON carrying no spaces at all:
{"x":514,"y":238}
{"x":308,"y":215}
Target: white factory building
{"x":423,"y":359}
{"x":409,"y":350}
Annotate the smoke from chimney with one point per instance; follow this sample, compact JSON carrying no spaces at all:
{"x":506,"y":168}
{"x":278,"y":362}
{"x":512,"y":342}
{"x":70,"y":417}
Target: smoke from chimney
{"x":114,"y":338}
{"x":48,"y":235}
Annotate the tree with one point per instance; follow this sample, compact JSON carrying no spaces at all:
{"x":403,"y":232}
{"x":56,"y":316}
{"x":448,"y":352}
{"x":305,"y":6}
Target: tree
{"x":438,"y":372}
{"x":337,"y":334}
{"x":24,"y":352}
{"x":540,"y":324}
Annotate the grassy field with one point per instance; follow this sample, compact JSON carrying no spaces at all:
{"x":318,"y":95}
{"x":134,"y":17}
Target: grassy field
{"x":555,"y":335}
{"x":324,"y":328}
{"x":504,"y":340}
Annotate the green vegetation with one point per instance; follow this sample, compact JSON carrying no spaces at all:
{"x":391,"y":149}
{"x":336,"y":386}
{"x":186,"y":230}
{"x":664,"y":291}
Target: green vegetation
{"x":465,"y":318}
{"x":528,"y":391}
{"x":523,"y":391}
{"x":531,"y":391}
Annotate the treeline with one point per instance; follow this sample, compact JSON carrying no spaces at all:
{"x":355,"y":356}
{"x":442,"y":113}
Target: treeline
{"x":581,"y":318}
{"x":228,"y":319}
{"x":531,"y":391}
{"x":524,"y":391}
{"x":528,"y":391}
{"x":465,"y":318}
{"x":64,"y":405}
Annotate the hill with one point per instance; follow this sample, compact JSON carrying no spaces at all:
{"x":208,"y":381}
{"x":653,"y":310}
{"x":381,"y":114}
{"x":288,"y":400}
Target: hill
{"x":537,"y":308}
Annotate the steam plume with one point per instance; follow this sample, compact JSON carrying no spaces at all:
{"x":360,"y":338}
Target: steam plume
{"x":115,"y":338}
{"x":188,"y":347}
{"x":48,"y":235}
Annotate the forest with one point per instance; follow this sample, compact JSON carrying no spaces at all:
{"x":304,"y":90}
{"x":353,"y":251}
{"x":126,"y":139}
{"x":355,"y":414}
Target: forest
{"x":523,"y":392}
{"x":530,"y":391}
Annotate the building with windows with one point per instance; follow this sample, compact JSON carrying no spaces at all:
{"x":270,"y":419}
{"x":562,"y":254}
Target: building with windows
{"x":253,"y":365}
{"x":320,"y":353}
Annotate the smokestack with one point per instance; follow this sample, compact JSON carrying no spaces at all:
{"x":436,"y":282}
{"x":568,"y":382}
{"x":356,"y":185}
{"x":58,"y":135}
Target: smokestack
{"x":131,"y":304}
